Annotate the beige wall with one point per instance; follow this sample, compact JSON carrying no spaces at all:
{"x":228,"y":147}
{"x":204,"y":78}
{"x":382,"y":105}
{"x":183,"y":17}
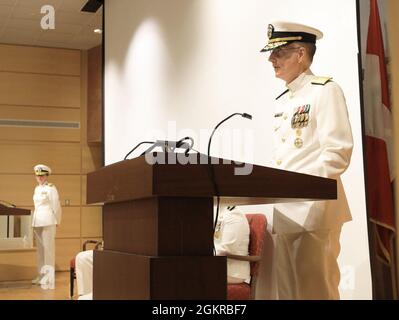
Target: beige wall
{"x":48,"y":84}
{"x":393,"y":25}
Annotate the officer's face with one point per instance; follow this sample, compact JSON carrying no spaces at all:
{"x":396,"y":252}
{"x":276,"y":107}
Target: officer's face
{"x":286,"y":62}
{"x":41,"y":179}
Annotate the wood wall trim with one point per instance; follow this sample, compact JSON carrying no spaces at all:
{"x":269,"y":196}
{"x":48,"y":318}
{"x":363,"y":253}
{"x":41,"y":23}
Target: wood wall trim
{"x":94,"y":94}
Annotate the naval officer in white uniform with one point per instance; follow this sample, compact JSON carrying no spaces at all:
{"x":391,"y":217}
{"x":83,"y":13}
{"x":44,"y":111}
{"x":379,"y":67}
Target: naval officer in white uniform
{"x":46,"y":216}
{"x":84,"y":274}
{"x":312,"y":135}
{"x":232,"y":238}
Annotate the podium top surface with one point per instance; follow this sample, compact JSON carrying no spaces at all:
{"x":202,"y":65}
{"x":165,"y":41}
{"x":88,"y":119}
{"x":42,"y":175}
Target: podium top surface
{"x":13,"y":211}
{"x":138,"y":178}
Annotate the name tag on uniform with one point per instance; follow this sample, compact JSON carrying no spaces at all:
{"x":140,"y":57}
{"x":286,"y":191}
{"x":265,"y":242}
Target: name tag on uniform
{"x":278,"y":115}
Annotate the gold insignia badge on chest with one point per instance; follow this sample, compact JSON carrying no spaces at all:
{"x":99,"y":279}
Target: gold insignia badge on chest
{"x":300,"y":118}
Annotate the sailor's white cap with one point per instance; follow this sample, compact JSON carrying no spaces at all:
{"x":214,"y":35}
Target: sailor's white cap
{"x":42,"y":170}
{"x":280,"y":33}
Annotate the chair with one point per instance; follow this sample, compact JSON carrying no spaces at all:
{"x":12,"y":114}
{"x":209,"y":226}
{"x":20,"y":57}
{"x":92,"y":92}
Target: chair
{"x":257,"y":233}
{"x":72,"y":264}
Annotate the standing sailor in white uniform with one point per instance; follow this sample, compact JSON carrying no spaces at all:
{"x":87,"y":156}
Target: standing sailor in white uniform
{"x":312,"y":135}
{"x":46,"y":216}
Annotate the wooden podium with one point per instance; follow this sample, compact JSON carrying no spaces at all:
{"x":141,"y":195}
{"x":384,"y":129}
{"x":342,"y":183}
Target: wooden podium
{"x":13,"y":211}
{"x":8,"y":210}
{"x":158,"y":223}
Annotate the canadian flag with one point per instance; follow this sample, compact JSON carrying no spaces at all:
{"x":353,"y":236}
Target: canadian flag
{"x":378,"y":127}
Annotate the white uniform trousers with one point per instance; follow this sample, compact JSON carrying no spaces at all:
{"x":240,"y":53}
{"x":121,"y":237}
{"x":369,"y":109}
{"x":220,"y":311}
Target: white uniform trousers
{"x":45,"y":243}
{"x":84,"y":272}
{"x":306,"y":265}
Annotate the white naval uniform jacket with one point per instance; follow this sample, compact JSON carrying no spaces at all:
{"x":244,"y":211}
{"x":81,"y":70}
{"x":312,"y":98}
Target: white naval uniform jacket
{"x":322,"y":147}
{"x":47,"y":206}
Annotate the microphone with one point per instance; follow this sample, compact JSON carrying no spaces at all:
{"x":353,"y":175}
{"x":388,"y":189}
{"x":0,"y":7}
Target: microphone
{"x":167,"y":146}
{"x":244,"y":115}
{"x":139,"y":144}
{"x":171,"y":146}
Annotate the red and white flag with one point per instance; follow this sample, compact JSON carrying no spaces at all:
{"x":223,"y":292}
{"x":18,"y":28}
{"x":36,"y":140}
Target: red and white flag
{"x":378,"y":127}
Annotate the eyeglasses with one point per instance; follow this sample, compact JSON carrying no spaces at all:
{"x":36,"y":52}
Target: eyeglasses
{"x":280,"y":52}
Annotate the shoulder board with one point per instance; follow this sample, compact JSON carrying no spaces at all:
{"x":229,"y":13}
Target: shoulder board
{"x":282,"y":94}
{"x":50,"y":184}
{"x":321,"y":80}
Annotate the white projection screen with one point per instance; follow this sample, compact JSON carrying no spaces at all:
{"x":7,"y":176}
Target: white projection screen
{"x":176,"y":68}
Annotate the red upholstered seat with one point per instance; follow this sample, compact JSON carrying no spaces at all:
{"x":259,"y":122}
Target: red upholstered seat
{"x":257,"y":233}
{"x":239,"y":291}
{"x":72,"y":263}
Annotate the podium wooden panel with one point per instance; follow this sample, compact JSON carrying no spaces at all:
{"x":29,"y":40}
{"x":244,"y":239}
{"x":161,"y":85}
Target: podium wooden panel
{"x":13,"y":211}
{"x":159,"y":226}
{"x":158,"y":218}
{"x":130,"y":276}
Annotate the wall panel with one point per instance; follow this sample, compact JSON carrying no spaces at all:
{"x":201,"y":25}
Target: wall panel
{"x":18,"y":189}
{"x":70,"y":223}
{"x":39,"y":134}
{"x":39,"y":113}
{"x":94,"y":103}
{"x":91,"y":222}
{"x":91,"y":158}
{"x":64,"y":158}
{"x":65,"y":250}
{"x":39,"y":90}
{"x":39,"y":123}
{"x":39,"y":60}
{"x":43,"y":110}
{"x":84,"y":189}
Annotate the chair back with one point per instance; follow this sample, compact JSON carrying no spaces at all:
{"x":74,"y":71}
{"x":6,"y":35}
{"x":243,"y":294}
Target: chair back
{"x":257,"y":231}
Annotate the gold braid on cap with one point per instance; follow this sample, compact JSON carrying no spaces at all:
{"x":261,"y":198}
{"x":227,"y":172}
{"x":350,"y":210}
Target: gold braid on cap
{"x":285,"y":39}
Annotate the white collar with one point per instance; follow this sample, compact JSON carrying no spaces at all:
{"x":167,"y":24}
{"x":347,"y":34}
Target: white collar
{"x":300,"y":81}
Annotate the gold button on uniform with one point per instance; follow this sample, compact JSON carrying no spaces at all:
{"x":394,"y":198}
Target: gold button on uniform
{"x":282,"y":140}
{"x":279,"y":162}
{"x":285,"y":117}
{"x":298,"y":142}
